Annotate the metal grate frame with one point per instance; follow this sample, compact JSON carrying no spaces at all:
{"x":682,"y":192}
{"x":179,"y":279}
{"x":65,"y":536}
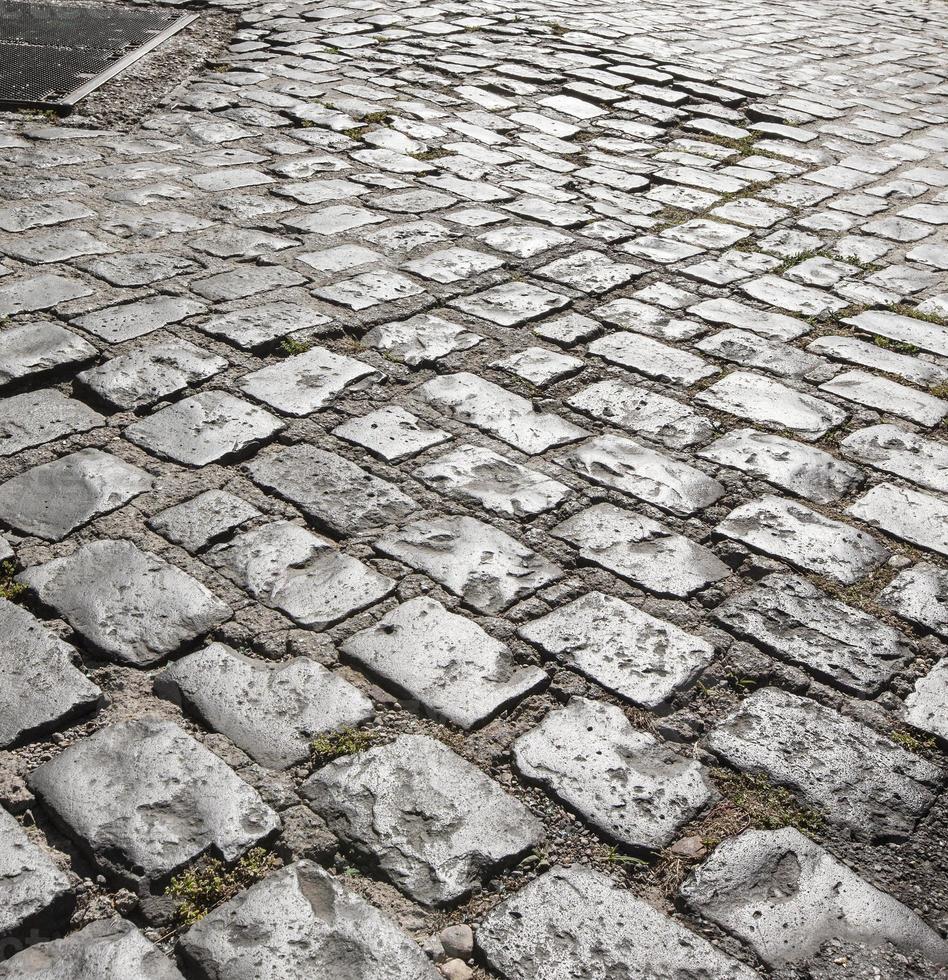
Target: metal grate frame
{"x":54,"y":54}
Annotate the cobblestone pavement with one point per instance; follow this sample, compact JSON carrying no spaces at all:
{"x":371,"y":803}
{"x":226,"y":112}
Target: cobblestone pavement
{"x":551,"y":400}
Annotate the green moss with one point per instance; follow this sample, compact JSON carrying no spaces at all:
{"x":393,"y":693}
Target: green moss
{"x":900,"y":346}
{"x":290,"y":346}
{"x":764,"y":805}
{"x":334,"y":745}
{"x":911,"y":742}
{"x":434,"y":154}
{"x":210,"y":883}
{"x":9,"y":587}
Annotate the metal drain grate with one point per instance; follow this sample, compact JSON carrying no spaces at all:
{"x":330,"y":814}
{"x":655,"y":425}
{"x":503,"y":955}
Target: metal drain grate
{"x":53,"y":54}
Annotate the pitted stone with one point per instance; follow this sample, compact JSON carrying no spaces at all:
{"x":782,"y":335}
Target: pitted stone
{"x":642,"y":659}
{"x":624,"y":782}
{"x":125,"y":602}
{"x":785,"y":896}
{"x":257,"y":326}
{"x":421,"y":339}
{"x":792,"y":618}
{"x":498,"y":411}
{"x":493,"y":481}
{"x":651,"y":358}
{"x":487,"y":568}
{"x":641,"y":550}
{"x":433,"y":823}
{"x":110,"y":949}
{"x":920,"y":595}
{"x":42,"y":292}
{"x":445,"y":662}
{"x":792,"y":466}
{"x":540,"y":365}
{"x":570,"y":918}
{"x":908,"y":515}
{"x":888,"y":396}
{"x":900,"y":452}
{"x":307,"y":382}
{"x":305,"y":923}
{"x":336,"y":495}
{"x":29,"y":350}
{"x":129,"y":320}
{"x":289,"y":568}
{"x":511,"y":303}
{"x":845,"y":769}
{"x":201,"y":520}
{"x":751,"y":350}
{"x":392,"y":434}
{"x":55,"y":498}
{"x":38,"y":417}
{"x":143,"y":798}
{"x":270,"y":710}
{"x":622,"y":464}
{"x":208,"y":428}
{"x":927,"y":706}
{"x":805,"y":538}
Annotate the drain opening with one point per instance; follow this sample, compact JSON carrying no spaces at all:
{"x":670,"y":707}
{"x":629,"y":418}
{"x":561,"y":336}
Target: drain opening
{"x":54,"y":54}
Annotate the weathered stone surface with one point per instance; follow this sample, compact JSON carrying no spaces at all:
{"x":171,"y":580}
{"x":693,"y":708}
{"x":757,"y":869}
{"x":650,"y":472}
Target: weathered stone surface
{"x":493,"y":481}
{"x":391,"y":433}
{"x":750,"y":396}
{"x":210,"y":427}
{"x":445,"y":662}
{"x":41,"y":688}
{"x":651,"y":358}
{"x":125,"y":602}
{"x":643,"y":412}
{"x":802,"y":470}
{"x":778,"y":326}
{"x":38,"y":417}
{"x":270,"y":710}
{"x":432,"y":822}
{"x":338,"y":496}
{"x":291,"y":569}
{"x":905,"y":329}
{"x":918,"y":518}
{"x":642,"y":659}
{"x":792,"y":618}
{"x":785,"y":896}
{"x":751,"y":350}
{"x":421,"y":339}
{"x":623,"y":464}
{"x":623,"y":782}
{"x":843,"y":768}
{"x":500,"y":412}
{"x":307,"y":382}
{"x":920,"y":595}
{"x":143,"y":798}
{"x":304,"y":924}
{"x":36,"y":896}
{"x":641,"y":550}
{"x":128,"y":320}
{"x":927,"y":706}
{"x":487,"y":568}
{"x":28,"y":350}
{"x":804,"y":538}
{"x":902,"y":453}
{"x":142,"y":377}
{"x":511,"y":303}
{"x":40,"y":292}
{"x":51,"y":500}
{"x":110,"y":949}
{"x":872,"y":356}
{"x":888,"y":396}
{"x":201,"y":520}
{"x":570,"y":918}
{"x":257,"y":326}
{"x":540,"y":365}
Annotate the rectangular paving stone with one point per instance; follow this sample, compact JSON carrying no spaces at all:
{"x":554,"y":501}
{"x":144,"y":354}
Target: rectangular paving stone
{"x":369,"y":289}
{"x":622,"y":464}
{"x":753,"y":351}
{"x":926,"y":336}
{"x":642,"y":412}
{"x":908,"y":515}
{"x":920,"y":595}
{"x":336,"y":495}
{"x":789,"y":531}
{"x":445,"y":662}
{"x":641,"y":550}
{"x":493,"y":481}
{"x":744,"y":888}
{"x":903,"y":453}
{"x":289,"y":568}
{"x":421,"y":339}
{"x":25,"y":215}
{"x":642,"y":318}
{"x":392,"y":434}
{"x":390,"y":804}
{"x":31,"y":350}
{"x":126,"y":321}
{"x":306,"y":924}
{"x":198,"y":522}
{"x":888,"y":396}
{"x":42,"y":689}
{"x":926,"y":708}
{"x":512,"y":418}
{"x":38,"y":417}
{"x":53,"y":499}
{"x":570,"y":917}
{"x":867,"y":355}
{"x":511,"y":303}
{"x":623,"y":782}
{"x":481,"y":564}
{"x":142,"y":798}
{"x":251,"y":328}
{"x":793,"y":619}
{"x":766,"y":402}
{"x":540,"y":365}
{"x":792,"y":466}
{"x":242,"y":282}
{"x":272,"y":711}
{"x":841,"y":767}
{"x":642,"y":659}
{"x":211,"y":427}
{"x":307,"y":382}
{"x":651,"y":358}
{"x":127,"y":603}
{"x":776,"y":326}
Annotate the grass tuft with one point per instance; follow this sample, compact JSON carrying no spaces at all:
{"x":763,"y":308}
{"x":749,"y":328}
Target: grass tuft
{"x":334,"y":745}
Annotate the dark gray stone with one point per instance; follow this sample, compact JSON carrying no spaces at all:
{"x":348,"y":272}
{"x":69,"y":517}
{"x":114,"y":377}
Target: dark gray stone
{"x":31,"y":349}
{"x":38,"y":417}
{"x":201,"y":520}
